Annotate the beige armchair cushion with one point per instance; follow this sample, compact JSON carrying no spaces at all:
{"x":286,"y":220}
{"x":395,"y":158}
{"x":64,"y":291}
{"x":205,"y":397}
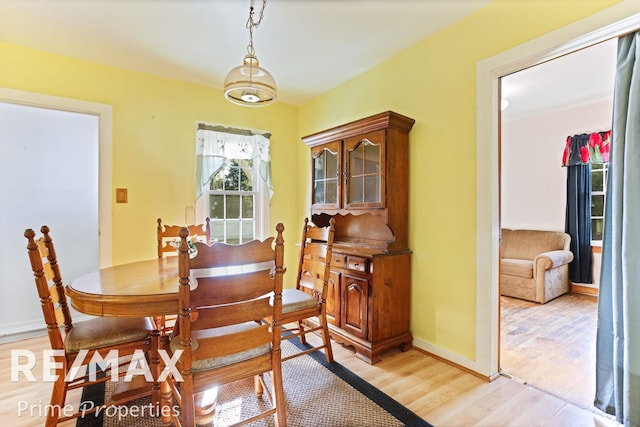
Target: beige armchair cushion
{"x":534,"y":264}
{"x":517,"y":267}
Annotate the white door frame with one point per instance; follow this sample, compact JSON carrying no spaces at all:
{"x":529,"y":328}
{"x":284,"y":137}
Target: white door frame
{"x":612,"y":22}
{"x":104,"y":113}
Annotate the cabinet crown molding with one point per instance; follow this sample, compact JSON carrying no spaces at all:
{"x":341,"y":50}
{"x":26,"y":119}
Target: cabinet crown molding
{"x":385,"y":120}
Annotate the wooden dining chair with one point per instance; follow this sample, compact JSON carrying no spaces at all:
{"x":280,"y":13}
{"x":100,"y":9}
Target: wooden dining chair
{"x":101,"y":335}
{"x":167,"y":238}
{"x":309,"y":299}
{"x":225,"y":294}
{"x":168,"y":235}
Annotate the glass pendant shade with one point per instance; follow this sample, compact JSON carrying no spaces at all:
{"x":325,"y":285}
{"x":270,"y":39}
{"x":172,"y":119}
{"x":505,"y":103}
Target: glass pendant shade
{"x":250,"y":85}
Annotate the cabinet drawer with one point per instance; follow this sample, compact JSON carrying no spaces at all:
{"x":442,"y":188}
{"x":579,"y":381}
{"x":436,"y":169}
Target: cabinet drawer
{"x":356,"y":263}
{"x":351,"y":262}
{"x":339,"y":260}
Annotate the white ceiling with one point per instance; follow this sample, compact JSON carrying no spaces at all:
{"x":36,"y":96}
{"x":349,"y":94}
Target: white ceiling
{"x":581,"y":77}
{"x":310,"y":46}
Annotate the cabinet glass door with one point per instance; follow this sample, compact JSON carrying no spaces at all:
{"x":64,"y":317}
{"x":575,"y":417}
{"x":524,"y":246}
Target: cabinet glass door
{"x":364,"y":176}
{"x":326,"y":175}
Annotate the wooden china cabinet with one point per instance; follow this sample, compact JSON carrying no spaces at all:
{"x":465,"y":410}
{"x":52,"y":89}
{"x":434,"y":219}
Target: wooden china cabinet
{"x":360,"y":177}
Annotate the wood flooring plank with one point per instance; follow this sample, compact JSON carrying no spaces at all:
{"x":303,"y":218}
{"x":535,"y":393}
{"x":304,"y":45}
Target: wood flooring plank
{"x":510,"y":414}
{"x":541,"y":412}
{"x":460,"y":398}
{"x":483,"y":410}
{"x":552,"y":346}
{"x":571,"y":416}
{"x":438,"y":392}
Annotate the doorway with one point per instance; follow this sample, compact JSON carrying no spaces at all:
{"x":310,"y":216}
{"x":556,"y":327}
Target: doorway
{"x":550,"y":346}
{"x":54,"y":171}
{"x":619,"y":19}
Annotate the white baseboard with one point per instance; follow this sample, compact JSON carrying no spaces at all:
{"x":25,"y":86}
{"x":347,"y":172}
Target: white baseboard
{"x":30,"y":329}
{"x":448,"y":355}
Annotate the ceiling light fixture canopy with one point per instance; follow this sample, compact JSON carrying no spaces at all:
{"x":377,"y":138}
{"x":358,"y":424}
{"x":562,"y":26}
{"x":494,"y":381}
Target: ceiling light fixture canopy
{"x":249,"y":84}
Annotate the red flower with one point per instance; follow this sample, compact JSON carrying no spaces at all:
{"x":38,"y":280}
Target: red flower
{"x":584,"y":154}
{"x":595,"y":140}
{"x":605,"y":153}
{"x":606,"y":144}
{"x":565,"y":154}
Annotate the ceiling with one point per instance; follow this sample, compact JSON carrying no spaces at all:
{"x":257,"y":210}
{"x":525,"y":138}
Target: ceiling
{"x":581,"y":77}
{"x":310,"y":46}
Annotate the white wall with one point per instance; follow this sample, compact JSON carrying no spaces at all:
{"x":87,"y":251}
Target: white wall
{"x":533,"y":183}
{"x":49,"y":173}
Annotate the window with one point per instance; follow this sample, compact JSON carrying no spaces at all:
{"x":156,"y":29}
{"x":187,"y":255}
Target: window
{"x":232,"y":202}
{"x":233,"y":186}
{"x":599,"y":174}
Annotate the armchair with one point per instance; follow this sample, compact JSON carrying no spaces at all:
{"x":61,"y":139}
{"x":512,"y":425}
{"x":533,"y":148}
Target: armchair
{"x":534,"y":264}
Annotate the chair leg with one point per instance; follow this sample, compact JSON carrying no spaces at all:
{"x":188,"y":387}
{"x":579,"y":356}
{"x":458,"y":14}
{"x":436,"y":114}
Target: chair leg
{"x":278,"y":396}
{"x":257,"y":386}
{"x":301,"y":331}
{"x":58,"y":397}
{"x":155,"y":368}
{"x":326,"y":339}
{"x":187,"y":404}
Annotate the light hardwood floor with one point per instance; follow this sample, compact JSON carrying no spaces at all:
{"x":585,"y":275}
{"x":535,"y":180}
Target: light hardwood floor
{"x":552,"y":346}
{"x":441,"y":394}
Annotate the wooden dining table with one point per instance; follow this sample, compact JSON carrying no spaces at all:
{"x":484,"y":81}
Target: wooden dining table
{"x":144,"y":288}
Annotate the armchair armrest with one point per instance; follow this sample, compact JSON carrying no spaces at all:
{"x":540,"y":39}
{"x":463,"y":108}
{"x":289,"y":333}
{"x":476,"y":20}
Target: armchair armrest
{"x":552,"y":259}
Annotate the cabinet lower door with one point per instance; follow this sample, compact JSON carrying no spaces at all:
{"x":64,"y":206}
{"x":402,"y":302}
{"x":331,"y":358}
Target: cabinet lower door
{"x":333,"y":299}
{"x":355,"y":293}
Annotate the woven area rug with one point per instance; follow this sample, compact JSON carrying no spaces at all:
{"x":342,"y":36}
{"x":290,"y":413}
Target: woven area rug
{"x":317,"y":393}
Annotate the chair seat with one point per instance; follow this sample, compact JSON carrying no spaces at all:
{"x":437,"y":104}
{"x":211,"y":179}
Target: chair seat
{"x":294,"y":300}
{"x":217,"y":362}
{"x":107,"y":332}
{"x":517,"y":267}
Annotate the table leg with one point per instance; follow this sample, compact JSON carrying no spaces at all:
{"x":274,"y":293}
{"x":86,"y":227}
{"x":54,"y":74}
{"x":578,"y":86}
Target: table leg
{"x":166,"y":403}
{"x":205,"y":405}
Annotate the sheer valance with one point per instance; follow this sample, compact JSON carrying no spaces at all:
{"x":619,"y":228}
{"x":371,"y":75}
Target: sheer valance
{"x":587,"y":148}
{"x":214,"y":144}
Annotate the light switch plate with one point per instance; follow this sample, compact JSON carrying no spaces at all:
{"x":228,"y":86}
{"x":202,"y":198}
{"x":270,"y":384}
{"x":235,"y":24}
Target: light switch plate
{"x":121,"y":195}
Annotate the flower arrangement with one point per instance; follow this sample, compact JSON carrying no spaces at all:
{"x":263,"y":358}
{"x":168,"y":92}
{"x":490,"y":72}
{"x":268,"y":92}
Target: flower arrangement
{"x":190,"y":243}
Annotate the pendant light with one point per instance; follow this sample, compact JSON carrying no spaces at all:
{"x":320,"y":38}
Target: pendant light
{"x":249,"y":84}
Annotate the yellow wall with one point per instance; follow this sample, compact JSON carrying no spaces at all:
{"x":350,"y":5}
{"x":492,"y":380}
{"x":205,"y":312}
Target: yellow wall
{"x":434,"y":82}
{"x":154,"y":141}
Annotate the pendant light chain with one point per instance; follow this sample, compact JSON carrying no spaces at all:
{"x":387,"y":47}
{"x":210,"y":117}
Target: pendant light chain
{"x":249,"y":84}
{"x":252,"y":24}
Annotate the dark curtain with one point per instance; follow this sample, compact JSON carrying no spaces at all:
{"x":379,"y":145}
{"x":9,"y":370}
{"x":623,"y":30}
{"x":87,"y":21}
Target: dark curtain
{"x":578,"y":213}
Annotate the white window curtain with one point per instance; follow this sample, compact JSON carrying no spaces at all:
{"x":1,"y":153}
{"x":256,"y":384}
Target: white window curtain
{"x":214,"y":144}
